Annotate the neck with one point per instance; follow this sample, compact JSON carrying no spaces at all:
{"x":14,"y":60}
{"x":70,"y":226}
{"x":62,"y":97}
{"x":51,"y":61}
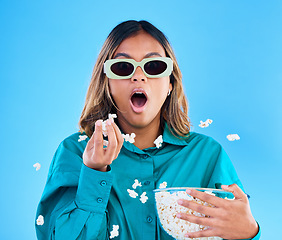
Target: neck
{"x":145,"y":135}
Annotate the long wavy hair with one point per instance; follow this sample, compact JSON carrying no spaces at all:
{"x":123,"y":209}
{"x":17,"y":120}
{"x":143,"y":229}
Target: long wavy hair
{"x":99,"y":102}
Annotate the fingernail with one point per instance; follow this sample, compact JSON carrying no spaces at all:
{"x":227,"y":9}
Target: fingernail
{"x":188,"y":191}
{"x":99,"y":123}
{"x":180,"y":201}
{"x":186,"y":235}
{"x":178,"y":215}
{"x":109,"y":121}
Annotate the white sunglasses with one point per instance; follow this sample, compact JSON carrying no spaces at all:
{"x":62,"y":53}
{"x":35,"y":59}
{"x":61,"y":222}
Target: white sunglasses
{"x":125,"y":68}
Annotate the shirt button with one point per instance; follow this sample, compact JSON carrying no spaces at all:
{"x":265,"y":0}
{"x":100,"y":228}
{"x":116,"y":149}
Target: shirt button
{"x":103,"y":183}
{"x":99,"y":200}
{"x":147,"y":182}
{"x":149,"y":219}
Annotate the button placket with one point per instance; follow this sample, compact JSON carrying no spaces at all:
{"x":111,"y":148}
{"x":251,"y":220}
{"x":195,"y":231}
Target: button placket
{"x":103,"y":183}
{"x":147,"y":183}
{"x":149,"y":219}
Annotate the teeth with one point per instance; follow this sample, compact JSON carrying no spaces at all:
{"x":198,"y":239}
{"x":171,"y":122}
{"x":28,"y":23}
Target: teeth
{"x":138,"y":92}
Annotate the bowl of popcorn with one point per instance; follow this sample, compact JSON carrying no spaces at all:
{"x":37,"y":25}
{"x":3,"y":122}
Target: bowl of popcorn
{"x":167,"y":208}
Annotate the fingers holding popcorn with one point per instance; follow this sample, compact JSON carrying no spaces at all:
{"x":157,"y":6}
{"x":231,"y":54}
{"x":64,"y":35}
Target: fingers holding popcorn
{"x":119,"y":139}
{"x":223,"y":217}
{"x":204,"y":233}
{"x":199,"y":208}
{"x":95,"y":155}
{"x":206,"y":197}
{"x":110,"y":152}
{"x":236,"y":191}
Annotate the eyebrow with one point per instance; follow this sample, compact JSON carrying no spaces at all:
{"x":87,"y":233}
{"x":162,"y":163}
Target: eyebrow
{"x":146,"y":56}
{"x":122,"y":55}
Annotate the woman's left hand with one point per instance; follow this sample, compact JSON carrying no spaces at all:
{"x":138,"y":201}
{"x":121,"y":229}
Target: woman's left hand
{"x":229,"y":219}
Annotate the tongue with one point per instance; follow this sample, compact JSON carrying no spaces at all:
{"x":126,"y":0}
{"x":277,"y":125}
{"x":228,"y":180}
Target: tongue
{"x":138,"y":100}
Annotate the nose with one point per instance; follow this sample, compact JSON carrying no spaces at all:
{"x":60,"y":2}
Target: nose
{"x":139,"y":75}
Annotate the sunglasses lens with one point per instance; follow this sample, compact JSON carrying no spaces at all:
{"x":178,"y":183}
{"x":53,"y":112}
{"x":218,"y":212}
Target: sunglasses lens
{"x":155,"y":67}
{"x":122,"y":68}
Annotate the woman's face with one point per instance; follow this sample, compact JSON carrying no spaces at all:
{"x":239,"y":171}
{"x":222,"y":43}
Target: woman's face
{"x":139,"y":99}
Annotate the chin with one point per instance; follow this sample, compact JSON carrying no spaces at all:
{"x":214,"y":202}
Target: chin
{"x":140,"y":121}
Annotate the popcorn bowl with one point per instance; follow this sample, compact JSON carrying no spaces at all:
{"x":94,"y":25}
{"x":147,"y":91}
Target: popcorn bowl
{"x":167,"y":208}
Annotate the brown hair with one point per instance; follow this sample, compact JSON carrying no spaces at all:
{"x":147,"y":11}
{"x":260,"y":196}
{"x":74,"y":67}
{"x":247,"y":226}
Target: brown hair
{"x":99,"y":102}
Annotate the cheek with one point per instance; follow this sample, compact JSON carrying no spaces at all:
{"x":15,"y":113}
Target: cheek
{"x":111,"y":87}
{"x":161,"y":90}
{"x":116,"y":89}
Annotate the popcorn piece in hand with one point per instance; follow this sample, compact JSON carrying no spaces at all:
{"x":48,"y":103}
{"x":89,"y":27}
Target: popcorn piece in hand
{"x":82,"y":137}
{"x":136,"y":184}
{"x":158,"y":142}
{"x":132,"y":193}
{"x":206,"y":123}
{"x":114,"y":232}
{"x":104,"y":128}
{"x":163,"y":185}
{"x":37,"y":166}
{"x":40,"y":220}
{"x":143,"y":197}
{"x":129,"y":138}
{"x":105,"y":143}
{"x":232,"y":137}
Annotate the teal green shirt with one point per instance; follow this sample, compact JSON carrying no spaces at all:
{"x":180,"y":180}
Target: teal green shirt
{"x":81,"y":203}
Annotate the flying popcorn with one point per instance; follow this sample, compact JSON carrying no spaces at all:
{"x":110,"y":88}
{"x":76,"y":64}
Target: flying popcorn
{"x":114,"y":232}
{"x":209,"y":121}
{"x":82,"y":137}
{"x":37,"y":166}
{"x":232,"y":137}
{"x":136,"y":184}
{"x":143,"y":197}
{"x":40,"y":220}
{"x":158,"y":142}
{"x":206,"y":123}
{"x":163,"y":185}
{"x":132,"y":193}
{"x":129,"y":138}
{"x":112,"y":116}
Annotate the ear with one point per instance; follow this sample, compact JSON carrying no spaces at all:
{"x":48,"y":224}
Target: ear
{"x":170,"y":87}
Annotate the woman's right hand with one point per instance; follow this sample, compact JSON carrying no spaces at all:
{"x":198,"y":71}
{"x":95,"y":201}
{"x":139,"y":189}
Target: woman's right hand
{"x":97,"y":157}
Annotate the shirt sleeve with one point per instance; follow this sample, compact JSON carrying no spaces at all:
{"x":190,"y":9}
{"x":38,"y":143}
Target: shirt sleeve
{"x":74,"y":201}
{"x":257,"y":237}
{"x":224,"y":174}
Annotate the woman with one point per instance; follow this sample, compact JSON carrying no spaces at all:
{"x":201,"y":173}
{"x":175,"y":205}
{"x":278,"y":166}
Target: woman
{"x":100,"y":192}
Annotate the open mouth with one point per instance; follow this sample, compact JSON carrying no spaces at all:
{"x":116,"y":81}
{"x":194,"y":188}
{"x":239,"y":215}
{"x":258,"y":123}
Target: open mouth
{"x":138,"y":99}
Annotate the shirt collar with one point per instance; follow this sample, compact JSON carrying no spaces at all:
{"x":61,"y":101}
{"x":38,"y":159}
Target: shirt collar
{"x":168,"y":137}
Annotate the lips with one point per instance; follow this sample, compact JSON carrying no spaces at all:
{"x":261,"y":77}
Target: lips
{"x":138,"y":100}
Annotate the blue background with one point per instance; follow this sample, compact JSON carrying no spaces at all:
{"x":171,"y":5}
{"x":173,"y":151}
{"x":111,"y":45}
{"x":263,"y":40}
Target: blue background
{"x":230,"y":54}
